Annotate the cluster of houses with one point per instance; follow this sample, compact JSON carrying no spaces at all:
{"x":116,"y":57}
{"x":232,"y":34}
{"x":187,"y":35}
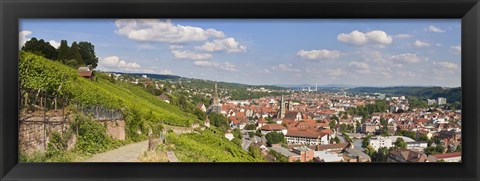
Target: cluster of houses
{"x":304,"y":120}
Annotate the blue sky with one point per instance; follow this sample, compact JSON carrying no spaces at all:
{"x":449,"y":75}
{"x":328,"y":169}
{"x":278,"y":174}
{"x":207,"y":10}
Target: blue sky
{"x":354,"y":52}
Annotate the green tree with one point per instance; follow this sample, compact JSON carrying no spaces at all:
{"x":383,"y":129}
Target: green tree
{"x":333,"y":124}
{"x":270,"y":120}
{"x":199,"y":113}
{"x":250,"y":127}
{"x":259,"y":133}
{"x":218,"y":120}
{"x":370,"y":151}
{"x":440,"y":148}
{"x":237,"y":133}
{"x":336,"y":140}
{"x":63,"y":52}
{"x":75,"y":54}
{"x":255,"y":152}
{"x":382,"y":154}
{"x":343,"y":128}
{"x":366,"y":142}
{"x":347,"y":138}
{"x":251,"y":134}
{"x":274,"y":137}
{"x":87,"y":51}
{"x":40,"y":47}
{"x":400,"y":143}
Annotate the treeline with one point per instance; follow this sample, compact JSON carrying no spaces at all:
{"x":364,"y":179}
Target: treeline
{"x":75,"y":55}
{"x":367,"y":110}
{"x":452,"y":94}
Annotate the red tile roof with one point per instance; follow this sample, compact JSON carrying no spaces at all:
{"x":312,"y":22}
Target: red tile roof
{"x":304,"y":133}
{"x":448,"y":155}
{"x":273,"y":127}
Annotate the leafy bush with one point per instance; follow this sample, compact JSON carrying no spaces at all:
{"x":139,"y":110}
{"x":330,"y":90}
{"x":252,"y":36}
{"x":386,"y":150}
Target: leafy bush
{"x":92,"y":136}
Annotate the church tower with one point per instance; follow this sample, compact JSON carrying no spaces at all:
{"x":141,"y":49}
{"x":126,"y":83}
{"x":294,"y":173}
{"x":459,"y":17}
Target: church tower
{"x":216,"y":107}
{"x":282,"y":108}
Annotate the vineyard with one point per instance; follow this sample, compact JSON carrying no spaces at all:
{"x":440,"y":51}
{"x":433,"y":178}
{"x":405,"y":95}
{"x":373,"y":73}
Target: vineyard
{"x":208,"y":147}
{"x":140,"y":109}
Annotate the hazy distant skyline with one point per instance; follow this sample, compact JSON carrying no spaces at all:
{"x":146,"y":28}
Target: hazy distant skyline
{"x":267,"y":52}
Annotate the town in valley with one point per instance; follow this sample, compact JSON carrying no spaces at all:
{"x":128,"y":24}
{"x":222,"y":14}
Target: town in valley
{"x":232,"y":90}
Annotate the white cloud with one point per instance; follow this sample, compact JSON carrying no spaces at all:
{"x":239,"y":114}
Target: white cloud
{"x":267,"y":71}
{"x":336,"y":72}
{"x":54,"y":43}
{"x":434,"y":29}
{"x":402,"y":36}
{"x":286,"y":68}
{"x":227,"y":44}
{"x":166,"y":71}
{"x":358,"y":65}
{"x":457,"y":49}
{"x":23,"y":38}
{"x":155,"y":30}
{"x":408,"y":58}
{"x":359,"y":38}
{"x":440,"y":68}
{"x":185,"y":54}
{"x":407,"y":74}
{"x":319,"y":54}
{"x":226,"y":66}
{"x":174,"y":47}
{"x":419,"y":43}
{"x":115,"y":63}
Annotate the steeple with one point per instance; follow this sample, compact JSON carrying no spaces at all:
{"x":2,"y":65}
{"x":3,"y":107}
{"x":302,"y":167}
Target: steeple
{"x":282,"y":108}
{"x":216,"y":107}
{"x":215,"y":98}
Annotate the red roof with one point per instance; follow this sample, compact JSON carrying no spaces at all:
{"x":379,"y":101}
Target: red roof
{"x":448,"y":155}
{"x":304,"y":133}
{"x":273,"y":127}
{"x":85,"y":73}
{"x":262,"y":120}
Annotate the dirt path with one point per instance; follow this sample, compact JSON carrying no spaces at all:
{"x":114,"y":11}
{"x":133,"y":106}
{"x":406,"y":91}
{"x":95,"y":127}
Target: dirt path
{"x":127,"y":153}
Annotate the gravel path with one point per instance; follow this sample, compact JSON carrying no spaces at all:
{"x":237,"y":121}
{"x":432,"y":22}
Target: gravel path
{"x":127,"y":153}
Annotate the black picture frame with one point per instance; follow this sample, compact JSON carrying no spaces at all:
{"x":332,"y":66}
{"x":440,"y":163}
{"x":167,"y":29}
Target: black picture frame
{"x":466,"y":10}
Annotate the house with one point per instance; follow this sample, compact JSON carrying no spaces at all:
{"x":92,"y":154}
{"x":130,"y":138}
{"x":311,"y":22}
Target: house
{"x":369,"y":128}
{"x":417,"y":145}
{"x":291,"y":157}
{"x":202,"y":107}
{"x":229,"y":135}
{"x":333,"y":147}
{"x":305,"y":154}
{"x":452,"y":136}
{"x":267,"y":128}
{"x":86,"y":72}
{"x":298,"y":154}
{"x":325,"y":156}
{"x":308,"y":137}
{"x":377,"y":142}
{"x":356,"y":155}
{"x":164,"y":97}
{"x":406,"y":156}
{"x":448,"y":157}
{"x":261,"y":122}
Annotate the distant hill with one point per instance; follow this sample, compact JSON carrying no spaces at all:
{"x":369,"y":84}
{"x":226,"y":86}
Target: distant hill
{"x":154,"y":76}
{"x":452,"y":94}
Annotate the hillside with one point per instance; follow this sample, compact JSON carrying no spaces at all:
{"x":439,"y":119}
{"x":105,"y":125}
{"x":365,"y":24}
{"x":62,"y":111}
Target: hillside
{"x":141,"y":109}
{"x":208,"y":146}
{"x":452,"y":94}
